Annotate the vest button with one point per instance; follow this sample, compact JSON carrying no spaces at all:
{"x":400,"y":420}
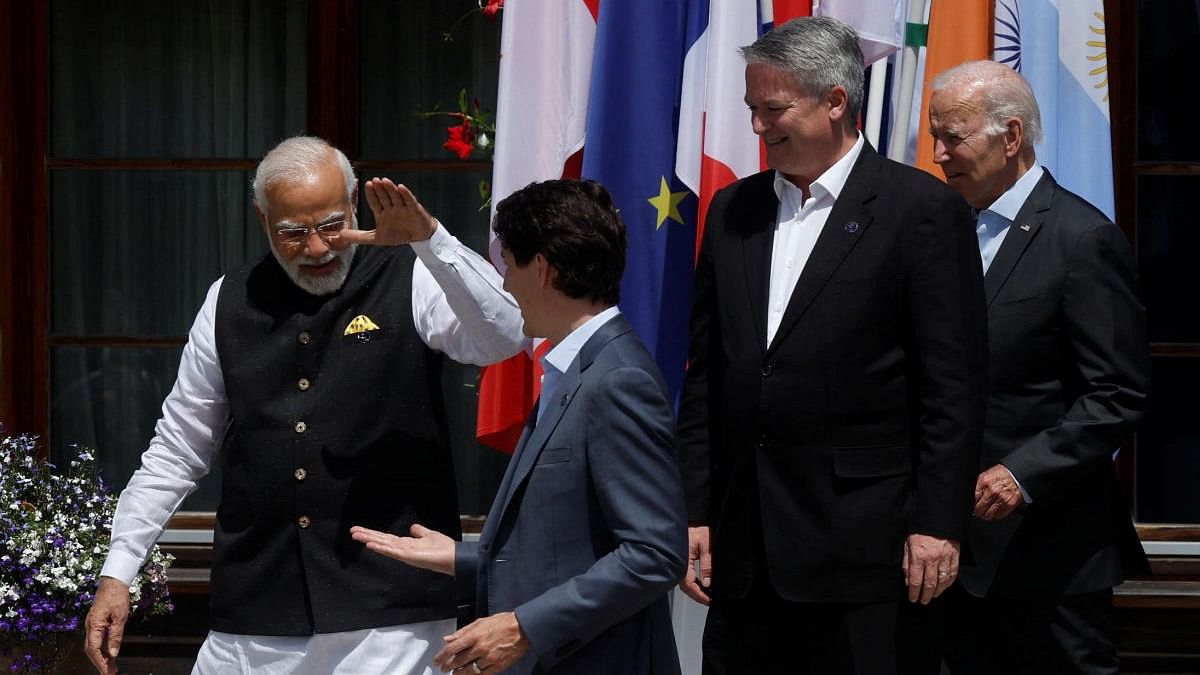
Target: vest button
{"x":300,"y":427}
{"x":303,"y":384}
{"x":303,"y":522}
{"x":304,"y":337}
{"x":300,"y":474}
{"x":766,"y":370}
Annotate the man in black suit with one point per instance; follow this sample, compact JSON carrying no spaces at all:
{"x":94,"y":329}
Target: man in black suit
{"x":833,"y":406}
{"x":1068,"y":381}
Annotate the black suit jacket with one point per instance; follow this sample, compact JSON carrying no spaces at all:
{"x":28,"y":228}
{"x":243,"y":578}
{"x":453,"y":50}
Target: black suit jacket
{"x":814,"y":458}
{"x":1068,"y":381}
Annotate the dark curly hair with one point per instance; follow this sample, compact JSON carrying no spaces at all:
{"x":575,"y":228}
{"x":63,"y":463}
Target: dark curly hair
{"x":574,"y":224}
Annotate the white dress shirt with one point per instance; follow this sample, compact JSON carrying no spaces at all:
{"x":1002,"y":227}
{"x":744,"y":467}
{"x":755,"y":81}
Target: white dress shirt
{"x":459,"y":308}
{"x":797,"y":226}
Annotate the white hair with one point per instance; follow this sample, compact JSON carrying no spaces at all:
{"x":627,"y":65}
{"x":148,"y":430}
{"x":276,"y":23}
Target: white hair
{"x":1003,"y":92}
{"x":297,"y":159}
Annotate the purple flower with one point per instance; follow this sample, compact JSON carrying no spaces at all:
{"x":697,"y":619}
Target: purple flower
{"x":56,"y":522}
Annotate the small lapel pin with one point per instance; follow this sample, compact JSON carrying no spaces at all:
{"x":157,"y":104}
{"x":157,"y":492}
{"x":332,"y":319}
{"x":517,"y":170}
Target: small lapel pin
{"x":1024,"y":228}
{"x":563,"y":402}
{"x":852,"y":227}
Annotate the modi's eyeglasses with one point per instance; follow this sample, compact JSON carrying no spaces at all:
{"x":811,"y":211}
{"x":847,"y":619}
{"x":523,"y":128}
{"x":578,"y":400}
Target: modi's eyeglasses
{"x":296,"y":235}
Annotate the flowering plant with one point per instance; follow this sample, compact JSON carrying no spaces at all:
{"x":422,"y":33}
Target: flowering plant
{"x":488,"y":8}
{"x":473,"y":133}
{"x":54,"y":535}
{"x":476,"y":129}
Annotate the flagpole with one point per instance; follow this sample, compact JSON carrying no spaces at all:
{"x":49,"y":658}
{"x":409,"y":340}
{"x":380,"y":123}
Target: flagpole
{"x":875,"y":96}
{"x":908,"y":80}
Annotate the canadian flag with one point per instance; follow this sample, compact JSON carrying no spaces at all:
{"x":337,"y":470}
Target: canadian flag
{"x":545,"y":70}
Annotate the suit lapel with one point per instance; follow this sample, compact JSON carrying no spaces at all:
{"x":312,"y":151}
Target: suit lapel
{"x":846,"y":224}
{"x":533,"y":441}
{"x":503,"y":494}
{"x":1026,"y":226}
{"x":756,"y":252}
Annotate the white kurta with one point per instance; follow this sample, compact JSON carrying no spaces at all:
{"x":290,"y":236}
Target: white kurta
{"x":459,"y":308}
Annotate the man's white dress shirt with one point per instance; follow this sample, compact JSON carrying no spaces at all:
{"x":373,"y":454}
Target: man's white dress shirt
{"x":459,"y":308}
{"x":797,"y":226}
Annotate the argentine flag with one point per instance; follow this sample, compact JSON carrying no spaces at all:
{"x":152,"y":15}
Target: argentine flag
{"x":1059,"y":46}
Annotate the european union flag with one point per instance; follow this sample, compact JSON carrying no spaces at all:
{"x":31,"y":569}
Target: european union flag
{"x":632,"y":126}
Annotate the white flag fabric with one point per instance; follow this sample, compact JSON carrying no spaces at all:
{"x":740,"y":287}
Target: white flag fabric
{"x":545,"y":69}
{"x":880,"y":23}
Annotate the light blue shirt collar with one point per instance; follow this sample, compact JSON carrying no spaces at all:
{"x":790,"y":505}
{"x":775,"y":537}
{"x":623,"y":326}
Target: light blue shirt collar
{"x":1009,"y":204}
{"x":993,"y":222}
{"x":559,"y":358}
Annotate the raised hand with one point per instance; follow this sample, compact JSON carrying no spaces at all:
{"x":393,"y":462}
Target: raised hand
{"x":399,"y":217}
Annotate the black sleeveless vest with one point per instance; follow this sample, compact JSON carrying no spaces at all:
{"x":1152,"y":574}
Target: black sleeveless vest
{"x":336,"y":419}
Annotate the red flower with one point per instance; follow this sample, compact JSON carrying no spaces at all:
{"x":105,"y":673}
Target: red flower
{"x":491,"y":8}
{"x":459,"y":139}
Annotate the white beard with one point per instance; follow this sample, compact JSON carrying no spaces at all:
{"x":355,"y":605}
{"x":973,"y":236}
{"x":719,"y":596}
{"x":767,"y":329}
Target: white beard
{"x":318,"y":285}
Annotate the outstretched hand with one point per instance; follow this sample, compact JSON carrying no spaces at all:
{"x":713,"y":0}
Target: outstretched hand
{"x":399,"y":217}
{"x":426,"y":548}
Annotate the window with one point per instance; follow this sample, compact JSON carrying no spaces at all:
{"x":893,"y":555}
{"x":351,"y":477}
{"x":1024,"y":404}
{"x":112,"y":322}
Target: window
{"x":144,"y":123}
{"x":1159,"y":170}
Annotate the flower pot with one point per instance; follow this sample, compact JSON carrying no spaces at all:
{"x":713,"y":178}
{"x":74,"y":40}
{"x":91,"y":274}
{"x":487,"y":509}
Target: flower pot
{"x":66,"y":653}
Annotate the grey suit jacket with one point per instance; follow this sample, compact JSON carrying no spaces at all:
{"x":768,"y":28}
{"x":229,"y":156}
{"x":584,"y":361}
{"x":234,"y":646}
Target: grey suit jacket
{"x":588,"y":532}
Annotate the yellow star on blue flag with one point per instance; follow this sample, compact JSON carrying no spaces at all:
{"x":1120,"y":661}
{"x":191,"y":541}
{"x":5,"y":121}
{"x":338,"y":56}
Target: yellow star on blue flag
{"x":667,"y":203}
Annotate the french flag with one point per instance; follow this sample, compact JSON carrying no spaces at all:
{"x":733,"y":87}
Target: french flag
{"x":716,"y":144}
